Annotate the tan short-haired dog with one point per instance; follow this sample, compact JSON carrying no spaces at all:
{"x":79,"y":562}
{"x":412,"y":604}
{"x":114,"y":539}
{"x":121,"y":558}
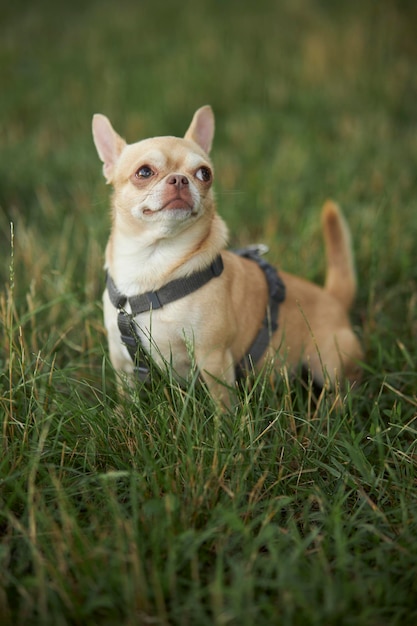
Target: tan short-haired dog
{"x":167,"y":241}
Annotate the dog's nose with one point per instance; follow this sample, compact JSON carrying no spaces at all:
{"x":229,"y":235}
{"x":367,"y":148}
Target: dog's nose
{"x":179,"y":180}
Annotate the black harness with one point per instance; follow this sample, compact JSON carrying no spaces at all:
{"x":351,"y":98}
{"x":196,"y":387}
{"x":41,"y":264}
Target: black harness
{"x":181,"y":287}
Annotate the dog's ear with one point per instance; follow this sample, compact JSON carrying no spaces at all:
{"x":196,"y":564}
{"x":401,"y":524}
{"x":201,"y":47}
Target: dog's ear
{"x":201,"y":129}
{"x":108,"y":143}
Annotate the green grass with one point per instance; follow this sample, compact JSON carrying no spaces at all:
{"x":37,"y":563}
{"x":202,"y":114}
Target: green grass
{"x":294,"y":509}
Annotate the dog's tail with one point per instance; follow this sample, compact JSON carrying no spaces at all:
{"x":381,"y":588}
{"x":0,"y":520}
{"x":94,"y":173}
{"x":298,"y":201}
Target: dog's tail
{"x":340,"y":275}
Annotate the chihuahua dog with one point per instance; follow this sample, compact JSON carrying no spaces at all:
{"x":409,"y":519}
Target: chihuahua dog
{"x":166,"y":232}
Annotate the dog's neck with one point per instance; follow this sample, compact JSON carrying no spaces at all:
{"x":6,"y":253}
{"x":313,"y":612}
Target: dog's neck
{"x":147,"y":262}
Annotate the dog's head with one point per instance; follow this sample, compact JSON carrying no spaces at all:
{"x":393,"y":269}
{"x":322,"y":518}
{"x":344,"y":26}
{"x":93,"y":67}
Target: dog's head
{"x":162,"y":183}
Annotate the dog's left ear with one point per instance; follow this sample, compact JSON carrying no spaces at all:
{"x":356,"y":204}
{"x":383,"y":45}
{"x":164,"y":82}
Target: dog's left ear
{"x":108,"y":143}
{"x":201,"y":129}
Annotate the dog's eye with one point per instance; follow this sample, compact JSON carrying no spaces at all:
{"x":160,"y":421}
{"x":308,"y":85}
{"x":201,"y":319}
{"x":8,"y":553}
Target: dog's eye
{"x":203,"y":174}
{"x":144,"y":172}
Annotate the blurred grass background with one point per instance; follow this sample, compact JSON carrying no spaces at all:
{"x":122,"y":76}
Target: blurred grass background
{"x":313,"y":99}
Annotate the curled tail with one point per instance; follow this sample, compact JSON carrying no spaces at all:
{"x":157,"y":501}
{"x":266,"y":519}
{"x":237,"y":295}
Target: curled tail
{"x":340,"y":275}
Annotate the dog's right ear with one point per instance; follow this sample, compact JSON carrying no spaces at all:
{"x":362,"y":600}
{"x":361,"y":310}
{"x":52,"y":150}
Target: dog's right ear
{"x":201,"y":129}
{"x":108,"y":143}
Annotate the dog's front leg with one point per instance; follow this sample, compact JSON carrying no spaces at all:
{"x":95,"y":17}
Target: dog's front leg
{"x":217,"y":369}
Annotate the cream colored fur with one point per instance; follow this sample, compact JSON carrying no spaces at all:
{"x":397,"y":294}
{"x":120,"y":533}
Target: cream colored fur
{"x":165,"y":226}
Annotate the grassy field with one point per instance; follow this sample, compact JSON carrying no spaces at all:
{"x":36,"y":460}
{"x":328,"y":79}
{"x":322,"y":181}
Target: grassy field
{"x":295,"y":509}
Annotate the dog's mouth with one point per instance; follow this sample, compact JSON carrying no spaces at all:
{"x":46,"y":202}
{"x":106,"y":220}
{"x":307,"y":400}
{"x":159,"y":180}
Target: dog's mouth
{"x":176,"y":204}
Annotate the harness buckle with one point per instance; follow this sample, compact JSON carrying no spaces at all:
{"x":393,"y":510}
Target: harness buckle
{"x":258,"y":248}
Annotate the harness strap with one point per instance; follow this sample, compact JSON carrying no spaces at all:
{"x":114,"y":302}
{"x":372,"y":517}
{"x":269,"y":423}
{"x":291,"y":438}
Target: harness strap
{"x":277,"y":292}
{"x":174,"y":290}
{"x":131,"y":340}
{"x":181,"y":287}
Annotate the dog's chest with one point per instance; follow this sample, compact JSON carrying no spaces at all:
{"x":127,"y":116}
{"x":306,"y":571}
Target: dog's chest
{"x":169,"y":335}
